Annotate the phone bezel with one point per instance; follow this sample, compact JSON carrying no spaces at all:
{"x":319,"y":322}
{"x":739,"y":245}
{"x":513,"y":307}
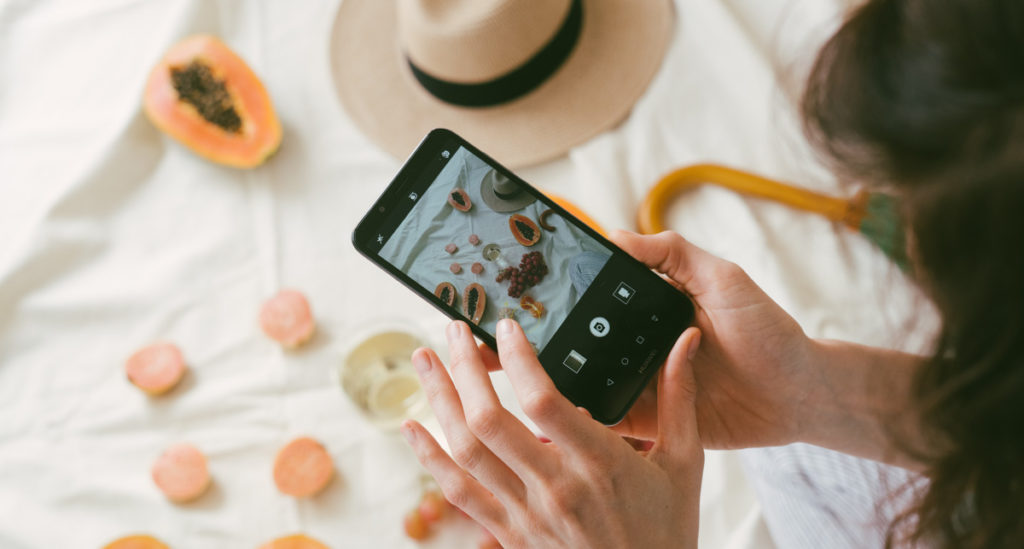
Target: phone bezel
{"x":426,"y":152}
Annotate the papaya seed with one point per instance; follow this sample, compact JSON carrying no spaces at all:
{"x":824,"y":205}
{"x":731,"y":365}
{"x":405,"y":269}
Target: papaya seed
{"x":197,"y":86}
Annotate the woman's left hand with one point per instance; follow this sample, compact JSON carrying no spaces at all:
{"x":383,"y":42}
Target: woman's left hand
{"x":587,"y":487}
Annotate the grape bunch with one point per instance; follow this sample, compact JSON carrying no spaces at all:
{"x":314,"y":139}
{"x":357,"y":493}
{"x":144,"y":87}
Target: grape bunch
{"x":529,"y":273}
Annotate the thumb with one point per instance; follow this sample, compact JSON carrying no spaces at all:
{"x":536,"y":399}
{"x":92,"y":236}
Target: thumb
{"x":669,"y":253}
{"x":677,"y":398}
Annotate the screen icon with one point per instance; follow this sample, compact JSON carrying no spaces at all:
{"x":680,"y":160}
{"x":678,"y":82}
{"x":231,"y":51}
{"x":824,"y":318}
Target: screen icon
{"x":413,"y":196}
{"x":599,"y":327}
{"x":574,"y":361}
{"x":624,"y":293}
{"x":445,"y":154}
{"x":380,"y":239}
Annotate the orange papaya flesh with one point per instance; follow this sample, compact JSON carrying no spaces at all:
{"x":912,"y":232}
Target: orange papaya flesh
{"x":474,"y":302}
{"x":446,"y":292}
{"x":205,"y":96}
{"x":524,"y":229}
{"x":577,"y":212}
{"x":136,"y":542}
{"x":295,"y":541}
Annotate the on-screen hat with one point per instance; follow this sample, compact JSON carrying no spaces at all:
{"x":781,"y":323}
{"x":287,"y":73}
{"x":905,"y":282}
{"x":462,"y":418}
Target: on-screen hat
{"x":501,"y":194}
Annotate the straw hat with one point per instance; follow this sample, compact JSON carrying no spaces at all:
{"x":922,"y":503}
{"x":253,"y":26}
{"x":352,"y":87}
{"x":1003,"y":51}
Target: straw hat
{"x":502,"y":194}
{"x":524,"y":80}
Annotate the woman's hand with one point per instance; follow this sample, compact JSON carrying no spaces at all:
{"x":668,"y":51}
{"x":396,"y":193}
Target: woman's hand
{"x":587,"y":487}
{"x":752,"y":370}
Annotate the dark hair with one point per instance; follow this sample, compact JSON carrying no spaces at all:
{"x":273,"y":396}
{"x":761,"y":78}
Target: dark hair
{"x":927,"y":96}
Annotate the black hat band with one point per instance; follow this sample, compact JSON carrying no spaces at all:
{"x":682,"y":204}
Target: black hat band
{"x":518,"y":81}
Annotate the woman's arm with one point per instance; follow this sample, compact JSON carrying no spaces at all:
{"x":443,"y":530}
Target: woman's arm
{"x":761,"y":381}
{"x":860,"y":402}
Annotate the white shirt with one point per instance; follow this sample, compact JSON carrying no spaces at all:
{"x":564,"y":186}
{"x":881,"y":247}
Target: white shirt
{"x":815,"y":498}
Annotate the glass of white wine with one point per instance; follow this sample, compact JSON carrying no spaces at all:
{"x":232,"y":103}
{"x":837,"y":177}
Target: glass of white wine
{"x":377,"y":373}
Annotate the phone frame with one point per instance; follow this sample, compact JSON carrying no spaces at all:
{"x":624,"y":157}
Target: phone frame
{"x":428,"y":150}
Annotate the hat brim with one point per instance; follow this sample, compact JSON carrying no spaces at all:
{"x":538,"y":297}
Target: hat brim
{"x":620,"y":49}
{"x":502,"y":205}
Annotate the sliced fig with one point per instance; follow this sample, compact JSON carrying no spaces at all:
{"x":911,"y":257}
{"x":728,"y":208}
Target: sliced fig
{"x":543,"y":220}
{"x":156,"y":368}
{"x":474,"y":301}
{"x":446,"y":292}
{"x":451,"y":248}
{"x":302,"y":468}
{"x":459,"y":200}
{"x":474,"y":239}
{"x":477,"y":268}
{"x":524,"y":229}
{"x":181,"y":473}
{"x":287,"y":319}
{"x":455,"y":268}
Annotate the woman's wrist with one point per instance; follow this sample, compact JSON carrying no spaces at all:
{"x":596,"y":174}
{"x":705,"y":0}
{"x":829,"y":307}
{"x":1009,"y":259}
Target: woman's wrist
{"x":855,"y":396}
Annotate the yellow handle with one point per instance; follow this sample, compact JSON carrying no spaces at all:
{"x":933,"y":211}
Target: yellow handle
{"x":650,"y":217}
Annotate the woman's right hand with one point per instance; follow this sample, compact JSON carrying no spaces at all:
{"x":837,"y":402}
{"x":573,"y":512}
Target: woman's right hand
{"x":752,"y":368}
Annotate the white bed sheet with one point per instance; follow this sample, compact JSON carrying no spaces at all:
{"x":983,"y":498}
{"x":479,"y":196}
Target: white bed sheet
{"x":114,"y":236}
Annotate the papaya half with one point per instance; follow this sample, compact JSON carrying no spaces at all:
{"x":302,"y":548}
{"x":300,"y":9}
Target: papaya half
{"x":524,"y":229}
{"x":294,"y":541}
{"x":446,"y":292}
{"x":459,"y":200}
{"x":204,"y":96}
{"x":136,"y":542}
{"x":474,"y":301}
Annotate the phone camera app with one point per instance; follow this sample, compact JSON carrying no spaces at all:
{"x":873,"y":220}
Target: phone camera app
{"x":489,"y":249}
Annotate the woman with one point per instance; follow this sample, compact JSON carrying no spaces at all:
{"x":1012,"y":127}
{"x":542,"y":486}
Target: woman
{"x":924,"y":96}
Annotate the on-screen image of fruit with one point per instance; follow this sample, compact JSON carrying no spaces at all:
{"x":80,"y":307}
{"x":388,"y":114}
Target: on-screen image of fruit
{"x":488,"y":255}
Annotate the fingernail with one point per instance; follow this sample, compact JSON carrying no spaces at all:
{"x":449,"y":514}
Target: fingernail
{"x":505,"y":327}
{"x":453,"y":330}
{"x":407,"y":432}
{"x":694,"y":345}
{"x":421,"y":363}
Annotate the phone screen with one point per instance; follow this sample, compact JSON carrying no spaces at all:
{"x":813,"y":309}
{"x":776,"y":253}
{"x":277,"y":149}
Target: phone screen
{"x":482,"y":245}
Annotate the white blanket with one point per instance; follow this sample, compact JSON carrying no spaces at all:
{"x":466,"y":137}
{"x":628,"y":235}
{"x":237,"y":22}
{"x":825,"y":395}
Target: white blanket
{"x":113,"y":236}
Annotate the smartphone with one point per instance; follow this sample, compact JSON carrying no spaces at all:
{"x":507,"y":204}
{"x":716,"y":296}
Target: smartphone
{"x":481,"y":244}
